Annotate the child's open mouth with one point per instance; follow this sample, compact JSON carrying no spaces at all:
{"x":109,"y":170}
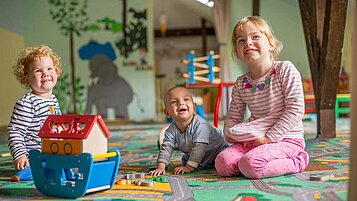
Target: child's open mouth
{"x":44,"y":81}
{"x":249,"y":51}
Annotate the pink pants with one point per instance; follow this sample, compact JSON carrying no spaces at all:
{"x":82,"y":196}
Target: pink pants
{"x":268,"y":160}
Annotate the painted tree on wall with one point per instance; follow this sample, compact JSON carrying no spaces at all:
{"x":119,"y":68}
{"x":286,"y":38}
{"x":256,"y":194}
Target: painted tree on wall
{"x":64,"y":94}
{"x":134,"y":33}
{"x":71,"y":16}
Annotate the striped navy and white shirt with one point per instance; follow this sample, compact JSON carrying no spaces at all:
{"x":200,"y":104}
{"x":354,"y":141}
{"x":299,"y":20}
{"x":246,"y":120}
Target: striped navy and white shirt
{"x":29,"y":114}
{"x":276,"y":103}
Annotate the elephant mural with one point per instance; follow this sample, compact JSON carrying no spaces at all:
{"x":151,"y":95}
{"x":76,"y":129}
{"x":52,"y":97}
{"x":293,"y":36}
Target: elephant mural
{"x":106,"y":88}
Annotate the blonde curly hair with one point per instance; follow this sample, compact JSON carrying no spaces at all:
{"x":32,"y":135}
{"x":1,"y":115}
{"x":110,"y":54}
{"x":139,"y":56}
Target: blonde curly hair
{"x":30,"y":54}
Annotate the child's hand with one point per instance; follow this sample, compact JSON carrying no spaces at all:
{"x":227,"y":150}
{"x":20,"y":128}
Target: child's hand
{"x":160,"y":170}
{"x":157,"y":172}
{"x":263,"y":140}
{"x":229,"y":140}
{"x":182,"y":170}
{"x":21,"y":163}
{"x":257,"y":142}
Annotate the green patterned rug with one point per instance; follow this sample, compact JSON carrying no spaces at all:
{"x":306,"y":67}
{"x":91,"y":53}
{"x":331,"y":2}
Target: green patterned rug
{"x":138,"y":148}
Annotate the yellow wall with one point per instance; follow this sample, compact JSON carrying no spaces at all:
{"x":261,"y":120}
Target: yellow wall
{"x":12,"y":45}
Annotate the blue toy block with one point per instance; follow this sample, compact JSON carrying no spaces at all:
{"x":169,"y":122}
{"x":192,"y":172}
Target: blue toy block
{"x":75,"y":175}
{"x":23,"y":175}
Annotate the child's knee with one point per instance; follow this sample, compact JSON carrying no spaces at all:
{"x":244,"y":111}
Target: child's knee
{"x":219,"y":163}
{"x":226,"y":170}
{"x":251,"y":167}
{"x":225,"y":167}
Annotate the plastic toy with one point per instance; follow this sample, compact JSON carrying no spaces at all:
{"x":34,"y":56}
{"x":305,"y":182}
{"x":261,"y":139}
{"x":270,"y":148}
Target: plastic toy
{"x":138,"y":179}
{"x":145,"y":182}
{"x":209,"y":69}
{"x":74,"y":158}
{"x":245,"y":198}
{"x":74,"y":134}
{"x":321,"y":177}
{"x":140,"y":175}
{"x":199,"y":106}
{"x":23,"y":175}
{"x":160,"y":179}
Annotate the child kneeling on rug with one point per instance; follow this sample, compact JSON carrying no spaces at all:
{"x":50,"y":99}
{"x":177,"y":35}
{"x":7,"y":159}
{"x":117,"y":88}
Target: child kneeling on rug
{"x":271,"y":142}
{"x":195,"y":137}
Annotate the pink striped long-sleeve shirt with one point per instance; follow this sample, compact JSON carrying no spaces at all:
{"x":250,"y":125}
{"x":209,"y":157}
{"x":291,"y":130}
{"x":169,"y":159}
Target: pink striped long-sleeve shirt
{"x":275,"y":101}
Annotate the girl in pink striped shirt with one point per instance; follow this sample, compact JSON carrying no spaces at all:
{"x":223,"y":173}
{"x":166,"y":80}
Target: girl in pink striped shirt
{"x":271,"y":141}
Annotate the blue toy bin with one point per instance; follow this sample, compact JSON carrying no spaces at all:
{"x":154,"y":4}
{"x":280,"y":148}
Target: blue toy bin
{"x":72,"y":176}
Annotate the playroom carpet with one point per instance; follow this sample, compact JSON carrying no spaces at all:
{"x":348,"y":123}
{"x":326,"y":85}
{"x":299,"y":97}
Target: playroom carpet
{"x":138,"y":147}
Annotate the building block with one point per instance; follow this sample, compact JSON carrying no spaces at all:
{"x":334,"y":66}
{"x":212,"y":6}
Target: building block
{"x":160,"y":179}
{"x":321,"y":177}
{"x":145,"y":182}
{"x":140,"y":175}
{"x":23,"y":175}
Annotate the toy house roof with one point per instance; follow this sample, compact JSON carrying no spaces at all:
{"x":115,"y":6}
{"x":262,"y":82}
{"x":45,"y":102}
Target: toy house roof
{"x":71,"y":126}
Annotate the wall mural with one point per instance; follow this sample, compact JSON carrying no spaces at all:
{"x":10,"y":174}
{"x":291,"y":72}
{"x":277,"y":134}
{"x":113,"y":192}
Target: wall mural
{"x":135,"y":40}
{"x":71,"y":16}
{"x":106,"y":88}
{"x":102,"y":92}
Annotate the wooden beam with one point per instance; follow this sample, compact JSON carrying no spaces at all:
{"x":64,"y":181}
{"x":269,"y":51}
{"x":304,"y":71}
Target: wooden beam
{"x":256,"y":7}
{"x":204,"y":36}
{"x":331,"y":53}
{"x":324,"y":25}
{"x":185,"y":32}
{"x":309,"y":21}
{"x":124,"y":30}
{"x":333,"y":35}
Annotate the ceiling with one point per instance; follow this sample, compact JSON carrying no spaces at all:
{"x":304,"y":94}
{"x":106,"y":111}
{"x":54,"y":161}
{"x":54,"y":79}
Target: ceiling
{"x":182,"y":14}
